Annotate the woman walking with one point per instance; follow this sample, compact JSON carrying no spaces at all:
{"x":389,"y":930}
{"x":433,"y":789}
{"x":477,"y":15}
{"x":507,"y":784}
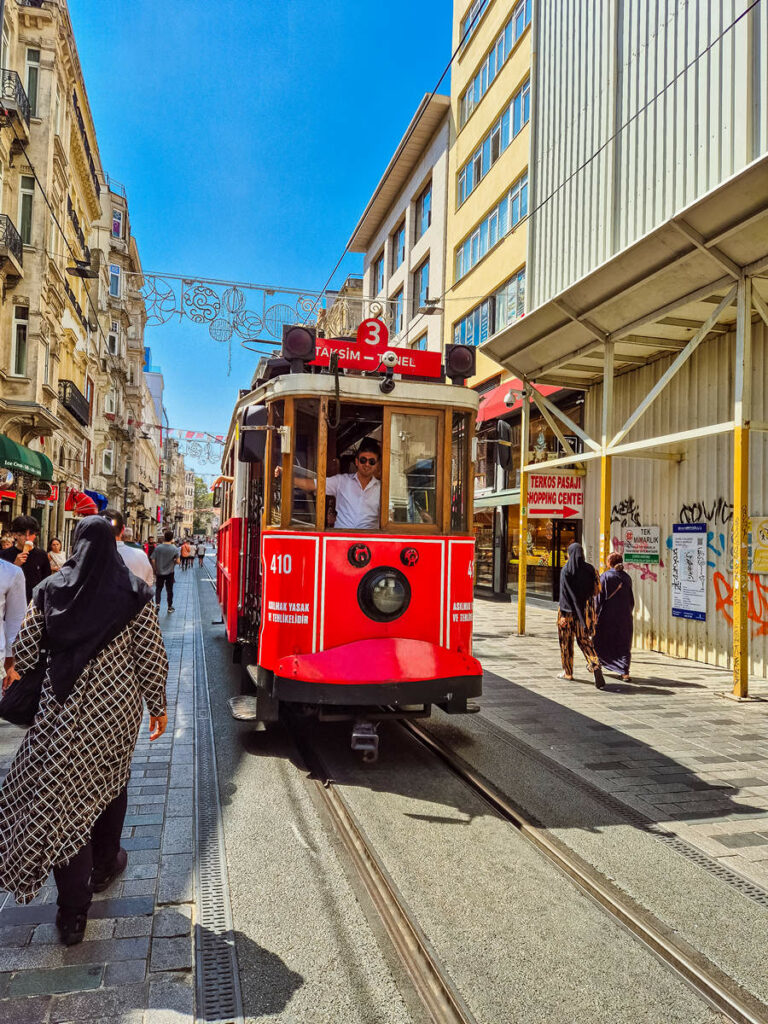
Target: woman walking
{"x":614,"y":605}
{"x":579,"y":583}
{"x":56,"y":556}
{"x":63,"y":801}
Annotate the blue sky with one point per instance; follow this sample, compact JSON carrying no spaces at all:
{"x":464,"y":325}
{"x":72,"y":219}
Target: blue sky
{"x":249,"y":136}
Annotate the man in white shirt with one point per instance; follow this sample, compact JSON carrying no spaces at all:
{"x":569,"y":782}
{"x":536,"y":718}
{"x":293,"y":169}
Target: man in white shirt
{"x":134,"y":558}
{"x":358,"y":494}
{"x":13,"y":605}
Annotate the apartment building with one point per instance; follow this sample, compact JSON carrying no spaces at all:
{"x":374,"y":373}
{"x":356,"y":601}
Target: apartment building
{"x":402,"y":231}
{"x":187,"y":523}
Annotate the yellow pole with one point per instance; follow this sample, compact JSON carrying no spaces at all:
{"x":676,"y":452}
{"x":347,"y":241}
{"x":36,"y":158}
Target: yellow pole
{"x":522,"y":546}
{"x":741,"y":417}
{"x":605,"y":510}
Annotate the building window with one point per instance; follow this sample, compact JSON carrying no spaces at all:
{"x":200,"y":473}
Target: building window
{"x":423,"y":212}
{"x":57,"y":113}
{"x":420,"y":343}
{"x":113,"y":339}
{"x":33,"y":75}
{"x":107,"y":461}
{"x":398,"y":247}
{"x":378,"y":274}
{"x":397,"y":317}
{"x":114,"y":280}
{"x":420,"y":286}
{"x":117,"y":223}
{"x":515,"y":115}
{"x":493,"y":314}
{"x":110,"y":401}
{"x":470,"y":20}
{"x":46,"y":363}
{"x":499,"y":222}
{"x":494,"y":59}
{"x":20,"y":341}
{"x":26,"y":193}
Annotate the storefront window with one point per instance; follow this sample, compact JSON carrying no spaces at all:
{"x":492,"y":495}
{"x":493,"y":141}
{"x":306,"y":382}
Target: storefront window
{"x":303,"y":501}
{"x":484,"y":547}
{"x":413,"y":469}
{"x":459,"y":453}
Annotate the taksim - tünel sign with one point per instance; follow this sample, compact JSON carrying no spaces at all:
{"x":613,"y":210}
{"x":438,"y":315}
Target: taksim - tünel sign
{"x":555,"y":496}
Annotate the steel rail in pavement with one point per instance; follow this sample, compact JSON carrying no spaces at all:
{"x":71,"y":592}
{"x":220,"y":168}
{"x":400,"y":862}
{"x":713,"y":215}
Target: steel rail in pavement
{"x":707,"y":980}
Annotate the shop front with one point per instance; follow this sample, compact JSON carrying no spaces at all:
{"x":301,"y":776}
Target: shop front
{"x":25,"y":483}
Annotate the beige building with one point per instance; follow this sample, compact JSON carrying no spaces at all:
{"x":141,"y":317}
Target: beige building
{"x":187,"y":527}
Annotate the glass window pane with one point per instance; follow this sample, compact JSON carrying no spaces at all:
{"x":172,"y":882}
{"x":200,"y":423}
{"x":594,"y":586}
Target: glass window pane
{"x":524,"y":197}
{"x":303,"y":502}
{"x":495,"y":144}
{"x":503,"y":217}
{"x":505,"y":130}
{"x":484,"y":238}
{"x":274,"y":511}
{"x":459,"y":444}
{"x":413,"y":469}
{"x":518,"y":113}
{"x":486,"y":155}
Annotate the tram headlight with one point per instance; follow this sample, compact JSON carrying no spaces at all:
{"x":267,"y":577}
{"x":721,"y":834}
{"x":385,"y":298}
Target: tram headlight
{"x":384,"y":594}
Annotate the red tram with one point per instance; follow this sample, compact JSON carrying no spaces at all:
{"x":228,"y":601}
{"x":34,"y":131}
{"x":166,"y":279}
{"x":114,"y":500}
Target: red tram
{"x":345,"y":563}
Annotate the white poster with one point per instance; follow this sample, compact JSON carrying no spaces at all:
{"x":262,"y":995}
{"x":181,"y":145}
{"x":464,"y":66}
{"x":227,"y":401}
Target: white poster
{"x":689,"y":571}
{"x":641,"y":545}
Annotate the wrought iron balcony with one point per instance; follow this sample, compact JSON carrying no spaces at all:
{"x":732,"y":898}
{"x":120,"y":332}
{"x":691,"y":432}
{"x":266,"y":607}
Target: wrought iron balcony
{"x":13,"y":95}
{"x":10,"y":239}
{"x":74,"y":401}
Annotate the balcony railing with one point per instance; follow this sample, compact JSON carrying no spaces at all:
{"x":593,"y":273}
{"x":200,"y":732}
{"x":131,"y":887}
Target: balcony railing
{"x":11,"y":239}
{"x":13,"y":94}
{"x":74,"y":401}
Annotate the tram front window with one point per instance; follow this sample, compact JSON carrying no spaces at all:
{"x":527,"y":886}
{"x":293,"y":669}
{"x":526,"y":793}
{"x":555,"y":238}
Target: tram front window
{"x":413,"y":469}
{"x":303,"y":501}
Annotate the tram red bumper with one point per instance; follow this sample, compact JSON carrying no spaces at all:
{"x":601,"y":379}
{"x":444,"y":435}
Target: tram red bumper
{"x":382,"y":671}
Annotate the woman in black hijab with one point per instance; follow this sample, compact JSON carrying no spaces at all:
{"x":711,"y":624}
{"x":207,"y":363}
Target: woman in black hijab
{"x":579,"y":583}
{"x":63,"y":801}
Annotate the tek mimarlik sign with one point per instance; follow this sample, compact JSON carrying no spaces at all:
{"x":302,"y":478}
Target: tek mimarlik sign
{"x":555,"y":496}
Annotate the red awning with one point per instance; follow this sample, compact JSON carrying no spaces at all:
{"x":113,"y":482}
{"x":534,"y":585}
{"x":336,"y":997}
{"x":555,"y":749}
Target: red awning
{"x":492,"y":405}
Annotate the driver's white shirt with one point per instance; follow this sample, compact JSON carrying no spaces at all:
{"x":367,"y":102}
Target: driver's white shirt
{"x":357,"y":508}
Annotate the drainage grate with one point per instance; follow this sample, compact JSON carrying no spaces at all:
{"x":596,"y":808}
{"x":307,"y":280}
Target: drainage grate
{"x":218,"y":996}
{"x":754,"y":892}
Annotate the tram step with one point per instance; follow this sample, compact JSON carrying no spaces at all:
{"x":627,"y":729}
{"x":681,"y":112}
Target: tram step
{"x":244,"y":709}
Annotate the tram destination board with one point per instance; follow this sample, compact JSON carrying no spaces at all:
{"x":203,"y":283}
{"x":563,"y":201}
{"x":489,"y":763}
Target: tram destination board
{"x":555,"y":495}
{"x":365,"y":351}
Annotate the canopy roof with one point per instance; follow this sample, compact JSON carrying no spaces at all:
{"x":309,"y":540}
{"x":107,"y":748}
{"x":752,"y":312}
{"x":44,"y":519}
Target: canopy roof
{"x":651,"y":298}
{"x":20,"y":459}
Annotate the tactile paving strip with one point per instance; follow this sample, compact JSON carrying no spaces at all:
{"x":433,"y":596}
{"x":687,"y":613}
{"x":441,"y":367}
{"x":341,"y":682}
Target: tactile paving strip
{"x":218,"y":998}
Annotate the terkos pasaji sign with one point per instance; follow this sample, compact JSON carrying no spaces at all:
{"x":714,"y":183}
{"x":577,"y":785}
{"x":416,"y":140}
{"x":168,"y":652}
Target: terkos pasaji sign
{"x":555,"y":496}
{"x":366,"y":351}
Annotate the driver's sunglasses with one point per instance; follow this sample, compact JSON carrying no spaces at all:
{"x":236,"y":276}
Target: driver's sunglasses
{"x":367,"y":462}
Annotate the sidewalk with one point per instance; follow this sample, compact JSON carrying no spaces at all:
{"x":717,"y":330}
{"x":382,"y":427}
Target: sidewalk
{"x":135,"y":964}
{"x":664,"y":745}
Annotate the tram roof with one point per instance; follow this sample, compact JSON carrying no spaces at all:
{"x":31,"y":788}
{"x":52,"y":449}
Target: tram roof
{"x":357,"y":388}
{"x":650,"y":298}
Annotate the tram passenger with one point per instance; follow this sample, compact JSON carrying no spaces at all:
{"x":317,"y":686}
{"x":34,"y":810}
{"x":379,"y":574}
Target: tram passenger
{"x":357,"y":494}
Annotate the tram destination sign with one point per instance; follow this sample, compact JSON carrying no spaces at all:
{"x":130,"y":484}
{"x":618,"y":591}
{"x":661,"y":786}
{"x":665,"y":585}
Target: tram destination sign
{"x":555,"y":495}
{"x":365,"y":352}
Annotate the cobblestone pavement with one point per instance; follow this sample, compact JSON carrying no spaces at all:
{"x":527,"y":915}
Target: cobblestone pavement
{"x":135,"y":964}
{"x":665,"y":744}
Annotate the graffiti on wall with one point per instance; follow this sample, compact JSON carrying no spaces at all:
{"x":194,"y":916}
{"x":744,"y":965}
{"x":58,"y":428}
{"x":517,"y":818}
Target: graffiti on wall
{"x":757,"y":601}
{"x":717,"y":512}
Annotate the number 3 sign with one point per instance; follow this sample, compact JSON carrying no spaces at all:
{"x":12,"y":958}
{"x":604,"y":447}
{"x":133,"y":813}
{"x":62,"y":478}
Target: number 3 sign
{"x":373,"y":332}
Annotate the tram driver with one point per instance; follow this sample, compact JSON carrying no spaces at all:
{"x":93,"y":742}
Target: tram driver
{"x":357,"y":494}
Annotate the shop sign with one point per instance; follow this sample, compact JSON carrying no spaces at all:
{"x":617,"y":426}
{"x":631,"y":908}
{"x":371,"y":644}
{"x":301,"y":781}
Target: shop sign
{"x":555,"y":496}
{"x":758,"y":548}
{"x":689,"y":571}
{"x":365,"y":353}
{"x":641,"y":545}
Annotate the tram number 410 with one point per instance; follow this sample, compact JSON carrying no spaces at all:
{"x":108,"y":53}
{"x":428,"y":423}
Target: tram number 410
{"x":281,"y":565}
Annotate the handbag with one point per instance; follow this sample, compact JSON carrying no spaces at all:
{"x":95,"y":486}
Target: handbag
{"x":20,"y":702}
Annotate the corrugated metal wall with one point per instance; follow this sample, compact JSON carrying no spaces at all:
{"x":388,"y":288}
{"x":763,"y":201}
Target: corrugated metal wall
{"x":698,"y":489}
{"x":626,"y":133}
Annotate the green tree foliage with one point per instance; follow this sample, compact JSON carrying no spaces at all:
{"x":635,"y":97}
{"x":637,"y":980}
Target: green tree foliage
{"x":203,"y":502}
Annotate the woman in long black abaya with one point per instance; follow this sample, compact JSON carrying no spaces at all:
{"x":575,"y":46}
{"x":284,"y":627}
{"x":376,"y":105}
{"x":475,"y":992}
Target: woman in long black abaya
{"x":615,"y":602}
{"x":575,"y":618}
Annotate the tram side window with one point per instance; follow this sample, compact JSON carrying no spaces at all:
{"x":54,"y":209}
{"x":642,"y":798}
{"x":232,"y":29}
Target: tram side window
{"x":413,"y":469}
{"x":303,"y":501}
{"x":459,"y":463}
{"x":275,"y":503}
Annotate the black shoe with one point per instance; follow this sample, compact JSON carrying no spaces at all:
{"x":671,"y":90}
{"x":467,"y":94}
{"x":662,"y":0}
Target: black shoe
{"x":599,"y":679}
{"x":71,"y":927}
{"x":102,"y":880}
{"x":171,"y":609}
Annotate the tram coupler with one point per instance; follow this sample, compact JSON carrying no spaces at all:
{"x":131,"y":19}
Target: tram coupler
{"x":366,"y":739}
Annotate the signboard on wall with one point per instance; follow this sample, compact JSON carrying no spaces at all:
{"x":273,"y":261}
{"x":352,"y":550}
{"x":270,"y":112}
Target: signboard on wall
{"x":641,"y":545}
{"x":689,"y":571}
{"x":555,"y":495}
{"x":758,"y":532}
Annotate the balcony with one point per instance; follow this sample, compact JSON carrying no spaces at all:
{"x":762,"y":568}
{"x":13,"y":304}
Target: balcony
{"x":11,"y":248}
{"x":74,"y":401}
{"x":14,"y":97}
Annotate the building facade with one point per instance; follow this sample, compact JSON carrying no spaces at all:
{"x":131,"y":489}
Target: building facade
{"x":402,"y":232}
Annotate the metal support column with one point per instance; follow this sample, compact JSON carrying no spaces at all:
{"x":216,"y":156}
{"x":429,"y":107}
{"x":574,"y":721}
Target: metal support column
{"x":605,"y":460}
{"x":742,"y":410}
{"x":522,"y":546}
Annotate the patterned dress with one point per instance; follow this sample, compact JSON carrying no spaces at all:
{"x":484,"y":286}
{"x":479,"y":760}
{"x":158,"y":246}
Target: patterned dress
{"x":76,"y":757}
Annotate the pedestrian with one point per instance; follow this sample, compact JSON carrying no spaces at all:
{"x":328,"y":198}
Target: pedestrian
{"x":200,"y":552}
{"x":56,"y":556}
{"x":164,"y":558}
{"x":129,"y":541}
{"x":6,"y":541}
{"x":185,"y":553}
{"x":63,"y":801}
{"x":133,"y":557}
{"x":13,"y":604}
{"x":614,"y":605}
{"x":30,"y":559}
{"x":579,"y":583}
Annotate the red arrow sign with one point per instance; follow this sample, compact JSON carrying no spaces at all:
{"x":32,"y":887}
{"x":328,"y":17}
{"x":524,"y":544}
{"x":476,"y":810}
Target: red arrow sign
{"x":565,"y":512}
